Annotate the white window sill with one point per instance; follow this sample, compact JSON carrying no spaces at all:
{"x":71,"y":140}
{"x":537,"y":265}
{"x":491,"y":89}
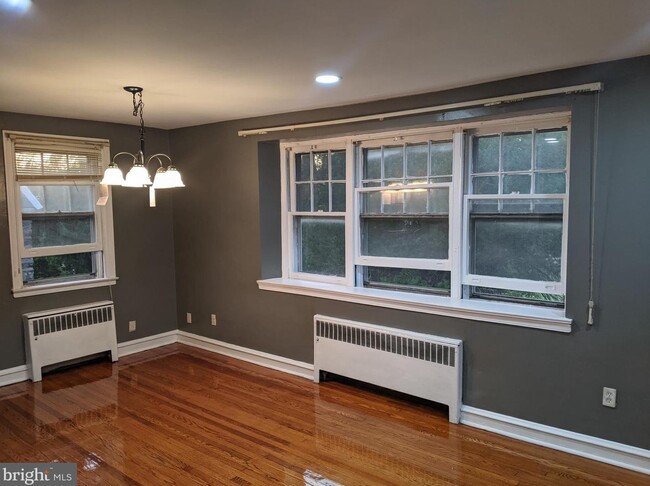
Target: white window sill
{"x":63,"y":287}
{"x":478,"y":310}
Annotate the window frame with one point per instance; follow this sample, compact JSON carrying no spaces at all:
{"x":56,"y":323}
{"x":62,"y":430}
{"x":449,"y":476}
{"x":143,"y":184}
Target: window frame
{"x":470,"y":279}
{"x":290,"y":214}
{"x":103,"y":217}
{"x":395,"y":262}
{"x":458,"y":302}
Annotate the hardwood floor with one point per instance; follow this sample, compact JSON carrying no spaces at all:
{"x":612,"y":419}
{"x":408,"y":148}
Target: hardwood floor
{"x":179,"y":415}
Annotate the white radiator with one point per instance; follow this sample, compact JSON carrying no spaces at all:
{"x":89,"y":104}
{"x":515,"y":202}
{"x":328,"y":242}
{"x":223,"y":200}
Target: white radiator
{"x":58,"y":335}
{"x":421,"y":365}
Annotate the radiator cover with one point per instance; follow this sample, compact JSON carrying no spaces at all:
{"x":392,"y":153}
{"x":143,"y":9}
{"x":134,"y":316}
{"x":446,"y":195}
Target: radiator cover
{"x":417,"y":364}
{"x":57,"y":335}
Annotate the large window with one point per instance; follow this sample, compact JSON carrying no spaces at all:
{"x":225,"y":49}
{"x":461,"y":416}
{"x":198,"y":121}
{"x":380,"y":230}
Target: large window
{"x":403,"y":196}
{"x":469,"y":213}
{"x":60,"y":238}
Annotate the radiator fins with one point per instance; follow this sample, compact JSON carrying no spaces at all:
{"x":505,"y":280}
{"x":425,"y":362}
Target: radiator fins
{"x":390,"y":343}
{"x":71,"y":320}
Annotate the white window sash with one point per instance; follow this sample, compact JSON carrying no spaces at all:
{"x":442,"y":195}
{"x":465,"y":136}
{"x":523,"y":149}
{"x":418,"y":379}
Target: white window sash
{"x":400,"y":262}
{"x":290,"y":240}
{"x":523,"y":285}
{"x":103,"y":246}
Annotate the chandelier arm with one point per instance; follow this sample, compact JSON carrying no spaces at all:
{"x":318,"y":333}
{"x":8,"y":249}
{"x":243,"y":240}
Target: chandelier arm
{"x":124,"y":153}
{"x":157,"y":157}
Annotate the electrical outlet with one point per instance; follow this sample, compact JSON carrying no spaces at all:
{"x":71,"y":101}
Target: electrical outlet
{"x":213,"y":319}
{"x":189,"y":318}
{"x":131,"y":326}
{"x":609,"y":397}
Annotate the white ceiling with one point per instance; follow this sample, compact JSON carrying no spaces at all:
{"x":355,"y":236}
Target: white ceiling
{"x":203,"y":61}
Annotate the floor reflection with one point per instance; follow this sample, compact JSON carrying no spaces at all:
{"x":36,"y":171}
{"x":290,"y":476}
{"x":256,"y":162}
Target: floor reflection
{"x":178,"y":415}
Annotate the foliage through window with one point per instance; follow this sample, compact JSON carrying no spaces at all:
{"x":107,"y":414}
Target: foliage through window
{"x":469,"y":213}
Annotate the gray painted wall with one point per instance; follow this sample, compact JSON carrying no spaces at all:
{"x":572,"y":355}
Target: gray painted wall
{"x":144,"y":245}
{"x":226,"y":228}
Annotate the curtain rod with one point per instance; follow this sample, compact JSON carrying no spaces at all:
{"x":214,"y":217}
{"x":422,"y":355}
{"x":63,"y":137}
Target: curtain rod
{"x":579,"y":88}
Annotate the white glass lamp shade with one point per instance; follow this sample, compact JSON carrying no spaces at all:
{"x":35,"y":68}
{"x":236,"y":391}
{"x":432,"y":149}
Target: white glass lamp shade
{"x":174,"y":177}
{"x":137,"y":177}
{"x":113,"y":176}
{"x":161,"y":179}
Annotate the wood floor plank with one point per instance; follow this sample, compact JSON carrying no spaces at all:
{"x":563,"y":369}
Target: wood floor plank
{"x":179,"y":415}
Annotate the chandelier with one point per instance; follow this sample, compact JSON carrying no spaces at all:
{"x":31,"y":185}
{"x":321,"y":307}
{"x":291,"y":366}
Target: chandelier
{"x":138,"y":176}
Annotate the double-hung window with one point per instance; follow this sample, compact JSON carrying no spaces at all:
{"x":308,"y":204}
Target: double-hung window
{"x":60,"y":238}
{"x":516,"y":214}
{"x":318,"y":212}
{"x":445,"y":218}
{"x":403,"y":194}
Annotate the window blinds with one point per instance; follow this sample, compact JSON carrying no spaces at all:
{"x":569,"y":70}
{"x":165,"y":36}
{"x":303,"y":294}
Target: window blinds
{"x":53,"y":158}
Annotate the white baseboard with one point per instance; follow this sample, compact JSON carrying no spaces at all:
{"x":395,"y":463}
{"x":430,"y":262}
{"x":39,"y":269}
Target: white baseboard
{"x":293,"y":367}
{"x":150,"y":342}
{"x":10,"y":376}
{"x":602,"y":450}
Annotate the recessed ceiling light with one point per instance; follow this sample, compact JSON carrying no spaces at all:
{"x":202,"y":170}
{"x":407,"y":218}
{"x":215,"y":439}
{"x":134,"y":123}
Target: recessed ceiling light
{"x":328,"y":79}
{"x":17,"y":6}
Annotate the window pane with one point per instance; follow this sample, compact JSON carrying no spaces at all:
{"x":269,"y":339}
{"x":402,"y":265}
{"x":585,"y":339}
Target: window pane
{"x":392,"y":201}
{"x":407,"y":278}
{"x":517,"y":247}
{"x":321,"y":197}
{"x":322,"y":246}
{"x":486,"y":154}
{"x":57,"y":230}
{"x":77,"y":266}
{"x":439,"y":201}
{"x":303,"y":197}
{"x":416,"y":201}
{"x":321,"y":166}
{"x":550,"y":183}
{"x":550,"y":146}
{"x":406,"y":237}
{"x":417,"y":160}
{"x":516,"y":184}
{"x":441,"y":158}
{"x":518,"y":296}
{"x":338,"y":165}
{"x":517,"y":151}
{"x":372,"y":164}
{"x":303,"y":167}
{"x":57,"y":198}
{"x":485,"y":185}
{"x":393,"y":162}
{"x":372,"y":202}
{"x":338,"y":197}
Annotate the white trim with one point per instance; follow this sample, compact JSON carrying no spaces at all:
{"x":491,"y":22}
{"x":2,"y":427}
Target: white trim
{"x":103,"y":216}
{"x":63,"y":287}
{"x":17,"y":374}
{"x":535,"y":317}
{"x":581,"y":88}
{"x":602,"y":450}
{"x":144,"y":344}
{"x":279,"y":363}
